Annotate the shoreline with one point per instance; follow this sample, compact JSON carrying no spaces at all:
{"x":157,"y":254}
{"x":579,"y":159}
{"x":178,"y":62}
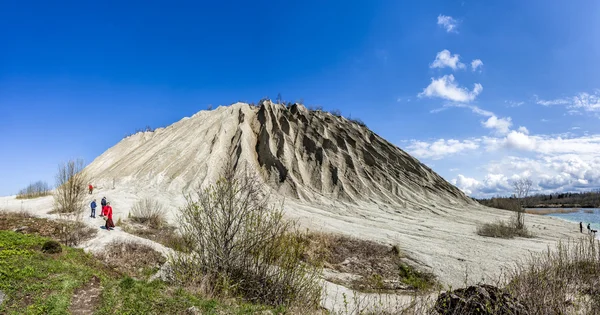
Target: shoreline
{"x":576,"y":223}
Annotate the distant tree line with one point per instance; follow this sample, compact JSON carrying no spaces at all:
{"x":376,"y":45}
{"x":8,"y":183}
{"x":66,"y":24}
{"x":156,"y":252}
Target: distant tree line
{"x":34,"y":190}
{"x":589,"y":199}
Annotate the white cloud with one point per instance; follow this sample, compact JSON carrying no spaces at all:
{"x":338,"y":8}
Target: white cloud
{"x":446,"y":88}
{"x":523,"y":130}
{"x":558,"y":101}
{"x":501,"y":125}
{"x":520,"y":140}
{"x":513,"y":103}
{"x":445,"y":59}
{"x":587,"y":102}
{"x":582,"y":101}
{"x":448,"y":23}
{"x":553,"y":162}
{"x":477,"y":63}
{"x":440,"y":148}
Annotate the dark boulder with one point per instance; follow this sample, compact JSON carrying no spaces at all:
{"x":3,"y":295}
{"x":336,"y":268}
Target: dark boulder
{"x":481,"y":300}
{"x":51,"y":247}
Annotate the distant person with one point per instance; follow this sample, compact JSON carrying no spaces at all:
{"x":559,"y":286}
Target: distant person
{"x":91,"y":188}
{"x":93,"y":206}
{"x":589,"y":228}
{"x":581,"y":227}
{"x":103,"y":204}
{"x":109,"y":221}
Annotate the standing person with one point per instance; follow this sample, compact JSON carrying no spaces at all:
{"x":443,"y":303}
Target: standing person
{"x":93,"y":206}
{"x":109,"y":221}
{"x":589,"y":228}
{"x":91,"y":188}
{"x":581,"y":227}
{"x":103,"y":203}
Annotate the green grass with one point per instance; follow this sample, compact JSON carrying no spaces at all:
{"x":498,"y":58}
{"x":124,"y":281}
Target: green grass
{"x":39,"y":283}
{"x":416,"y":279}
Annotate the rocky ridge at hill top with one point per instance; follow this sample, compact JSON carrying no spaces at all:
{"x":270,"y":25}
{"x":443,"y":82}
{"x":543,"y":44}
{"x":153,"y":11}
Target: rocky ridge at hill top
{"x":299,"y":153}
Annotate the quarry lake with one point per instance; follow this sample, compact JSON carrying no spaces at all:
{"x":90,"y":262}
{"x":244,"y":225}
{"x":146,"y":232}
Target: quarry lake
{"x":585,"y":215}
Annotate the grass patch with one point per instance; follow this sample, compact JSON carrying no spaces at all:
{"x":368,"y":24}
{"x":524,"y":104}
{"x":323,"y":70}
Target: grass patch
{"x":38,"y":283}
{"x":375,"y":267}
{"x":561,"y":281}
{"x":149,"y":212}
{"x":25,"y":222}
{"x":133,"y":259}
{"x":502,"y":229}
{"x":551,"y":211}
{"x":165,"y":235}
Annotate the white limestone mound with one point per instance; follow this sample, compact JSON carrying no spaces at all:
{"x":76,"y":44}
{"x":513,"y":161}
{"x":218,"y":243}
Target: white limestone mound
{"x":335,"y":176}
{"x":310,"y":156}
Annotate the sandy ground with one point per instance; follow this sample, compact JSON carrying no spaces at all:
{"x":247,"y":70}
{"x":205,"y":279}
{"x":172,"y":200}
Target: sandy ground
{"x":443,"y":242}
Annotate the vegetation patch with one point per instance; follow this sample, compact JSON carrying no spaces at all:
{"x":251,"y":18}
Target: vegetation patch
{"x":561,"y":281}
{"x":552,"y":210}
{"x":237,"y":244}
{"x":24,"y":222}
{"x":165,"y":235}
{"x":34,"y":190}
{"x":39,"y":283}
{"x":503,"y":229}
{"x":375,"y":267}
{"x":149,"y":212}
{"x":133,"y":259}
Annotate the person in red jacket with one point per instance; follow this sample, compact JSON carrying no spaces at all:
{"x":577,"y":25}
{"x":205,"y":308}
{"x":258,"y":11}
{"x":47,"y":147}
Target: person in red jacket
{"x":109,"y":217}
{"x":91,"y":188}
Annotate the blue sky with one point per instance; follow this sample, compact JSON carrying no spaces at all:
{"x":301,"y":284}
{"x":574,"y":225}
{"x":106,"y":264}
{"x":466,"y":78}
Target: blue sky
{"x":76,"y":77}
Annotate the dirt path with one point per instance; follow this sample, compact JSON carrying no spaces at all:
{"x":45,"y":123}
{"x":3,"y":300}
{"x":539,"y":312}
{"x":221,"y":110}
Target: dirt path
{"x":86,"y":298}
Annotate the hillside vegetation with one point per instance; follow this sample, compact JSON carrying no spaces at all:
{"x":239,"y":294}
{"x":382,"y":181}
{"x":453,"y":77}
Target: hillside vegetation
{"x":37,"y":282}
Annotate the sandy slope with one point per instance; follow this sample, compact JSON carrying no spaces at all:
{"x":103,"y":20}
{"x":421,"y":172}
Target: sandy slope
{"x":379,"y":192}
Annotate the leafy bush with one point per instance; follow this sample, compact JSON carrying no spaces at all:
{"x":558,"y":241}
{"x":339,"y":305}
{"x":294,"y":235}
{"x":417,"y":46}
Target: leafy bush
{"x":237,"y":245}
{"x":149,"y":212}
{"x":34,"y":190}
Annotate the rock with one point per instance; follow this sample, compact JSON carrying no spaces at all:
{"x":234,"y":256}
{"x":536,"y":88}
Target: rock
{"x":481,"y":300}
{"x":193,"y":311}
{"x":51,"y":247}
{"x":22,"y":229}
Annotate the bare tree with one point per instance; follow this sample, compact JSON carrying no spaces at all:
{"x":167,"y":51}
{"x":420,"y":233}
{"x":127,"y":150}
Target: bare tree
{"x":521,"y":189}
{"x":70,"y":193}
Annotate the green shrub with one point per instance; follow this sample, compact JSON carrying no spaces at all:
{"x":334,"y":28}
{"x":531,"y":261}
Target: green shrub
{"x":235,"y":244}
{"x":502,"y":229}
